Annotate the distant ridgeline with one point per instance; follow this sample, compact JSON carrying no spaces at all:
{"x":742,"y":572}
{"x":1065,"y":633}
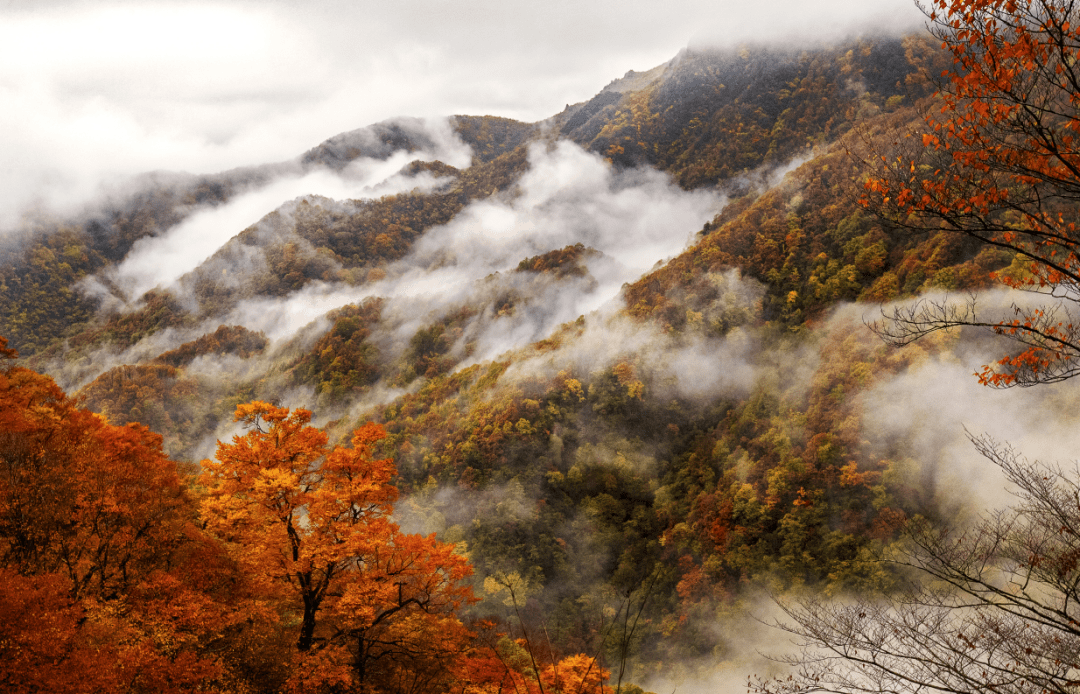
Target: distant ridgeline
{"x":617,"y":461}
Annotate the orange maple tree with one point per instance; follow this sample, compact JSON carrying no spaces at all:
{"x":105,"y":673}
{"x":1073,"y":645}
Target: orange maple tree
{"x":998,"y":161}
{"x":97,"y":588}
{"x":312,"y":525}
{"x":500,"y":672}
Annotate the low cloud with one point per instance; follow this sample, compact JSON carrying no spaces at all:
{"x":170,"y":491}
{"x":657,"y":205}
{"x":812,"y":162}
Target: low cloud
{"x":572,"y":196}
{"x":98,"y":92}
{"x":687,"y":366}
{"x":161,"y":260}
{"x":282,"y":319}
{"x":72,"y":372}
{"x":568,"y":196}
{"x":936,"y":403}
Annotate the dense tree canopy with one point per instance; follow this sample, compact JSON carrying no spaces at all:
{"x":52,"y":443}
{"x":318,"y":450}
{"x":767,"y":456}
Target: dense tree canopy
{"x":290,"y":577}
{"x":996,"y":608}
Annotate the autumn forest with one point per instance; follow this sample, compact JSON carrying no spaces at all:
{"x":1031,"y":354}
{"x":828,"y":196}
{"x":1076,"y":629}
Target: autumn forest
{"x":715,"y":380}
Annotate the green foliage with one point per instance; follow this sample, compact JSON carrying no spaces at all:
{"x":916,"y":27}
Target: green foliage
{"x":811,"y":246}
{"x":227,"y":339}
{"x":581,"y":483}
{"x":368,"y":232}
{"x":40,"y":302}
{"x":342,"y":362}
{"x":43,"y":261}
{"x":491,"y":136}
{"x":711,"y":116}
{"x":569,"y":261}
{"x":159,"y":309}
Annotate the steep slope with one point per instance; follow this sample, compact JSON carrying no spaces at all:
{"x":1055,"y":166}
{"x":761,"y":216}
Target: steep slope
{"x":44,"y":264}
{"x":632,"y":390}
{"x":809,"y":242}
{"x":709,"y":115}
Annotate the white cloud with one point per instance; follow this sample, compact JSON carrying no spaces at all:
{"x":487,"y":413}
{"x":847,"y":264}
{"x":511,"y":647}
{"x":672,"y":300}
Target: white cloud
{"x":161,"y":260}
{"x":572,"y":196}
{"x":568,"y":196}
{"x":95,"y":91}
{"x":935,"y":404}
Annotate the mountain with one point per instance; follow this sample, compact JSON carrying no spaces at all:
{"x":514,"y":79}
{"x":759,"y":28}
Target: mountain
{"x":614,"y":351}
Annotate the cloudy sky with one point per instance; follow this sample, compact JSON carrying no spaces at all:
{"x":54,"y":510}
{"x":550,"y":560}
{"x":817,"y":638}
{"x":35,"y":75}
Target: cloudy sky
{"x":92,"y":91}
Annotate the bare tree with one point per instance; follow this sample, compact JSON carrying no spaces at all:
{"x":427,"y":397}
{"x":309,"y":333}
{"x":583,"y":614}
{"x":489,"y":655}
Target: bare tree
{"x":995,"y":608}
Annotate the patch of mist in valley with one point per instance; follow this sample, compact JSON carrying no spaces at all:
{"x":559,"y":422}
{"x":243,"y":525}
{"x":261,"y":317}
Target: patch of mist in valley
{"x":72,"y":373}
{"x":921,"y":417}
{"x":160,"y":260}
{"x":635,"y":218}
{"x":695,"y":367}
{"x":747,"y":646}
{"x":568,"y":196}
{"x":934,"y":406}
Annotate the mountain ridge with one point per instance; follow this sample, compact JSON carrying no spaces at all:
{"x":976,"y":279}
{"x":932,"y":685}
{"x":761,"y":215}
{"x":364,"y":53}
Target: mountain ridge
{"x":615,"y":352}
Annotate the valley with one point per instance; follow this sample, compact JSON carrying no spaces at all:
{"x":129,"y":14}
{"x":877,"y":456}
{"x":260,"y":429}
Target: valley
{"x":621,"y":359}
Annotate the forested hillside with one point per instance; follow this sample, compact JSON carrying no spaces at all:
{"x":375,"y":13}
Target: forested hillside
{"x":580,"y":389}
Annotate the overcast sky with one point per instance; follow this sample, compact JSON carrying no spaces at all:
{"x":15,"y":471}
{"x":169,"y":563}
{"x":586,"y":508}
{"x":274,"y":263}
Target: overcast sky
{"x":91,"y":91}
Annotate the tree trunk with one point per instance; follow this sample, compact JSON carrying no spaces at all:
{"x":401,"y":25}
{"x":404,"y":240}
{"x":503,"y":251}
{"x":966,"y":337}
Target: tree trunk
{"x":361,"y":661}
{"x":307,"y":627}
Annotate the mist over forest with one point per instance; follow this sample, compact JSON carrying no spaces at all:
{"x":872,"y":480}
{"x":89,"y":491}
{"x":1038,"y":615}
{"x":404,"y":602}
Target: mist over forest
{"x":589,"y":397}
